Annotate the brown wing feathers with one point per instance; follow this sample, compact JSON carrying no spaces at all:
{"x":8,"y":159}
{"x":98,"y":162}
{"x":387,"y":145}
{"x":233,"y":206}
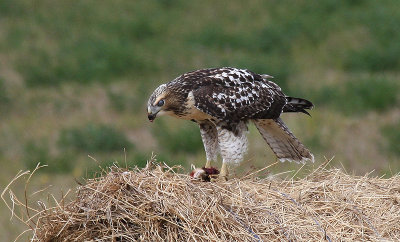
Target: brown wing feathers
{"x":282,"y":142}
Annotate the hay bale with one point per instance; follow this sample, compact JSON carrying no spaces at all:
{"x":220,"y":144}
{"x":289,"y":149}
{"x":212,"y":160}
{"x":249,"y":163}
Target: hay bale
{"x":158,"y":204}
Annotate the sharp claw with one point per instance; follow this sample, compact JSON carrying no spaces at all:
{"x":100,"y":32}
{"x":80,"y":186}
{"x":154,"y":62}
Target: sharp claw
{"x":222,"y":177}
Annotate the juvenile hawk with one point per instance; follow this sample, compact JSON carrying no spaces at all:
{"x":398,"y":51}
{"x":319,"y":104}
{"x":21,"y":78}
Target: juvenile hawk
{"x":222,"y":101}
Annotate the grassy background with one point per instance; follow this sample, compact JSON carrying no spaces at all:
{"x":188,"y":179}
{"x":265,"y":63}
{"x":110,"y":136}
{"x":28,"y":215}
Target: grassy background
{"x":75,"y":77}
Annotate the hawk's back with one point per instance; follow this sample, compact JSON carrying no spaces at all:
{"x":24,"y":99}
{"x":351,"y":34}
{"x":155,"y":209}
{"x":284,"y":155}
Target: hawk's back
{"x":232,"y":94}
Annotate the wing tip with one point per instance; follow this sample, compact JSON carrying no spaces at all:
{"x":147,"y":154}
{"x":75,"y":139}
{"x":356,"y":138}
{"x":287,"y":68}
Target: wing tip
{"x":302,"y":161}
{"x":266,"y":76}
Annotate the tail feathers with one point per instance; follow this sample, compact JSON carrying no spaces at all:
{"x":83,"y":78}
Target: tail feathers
{"x":294,"y":104}
{"x":282,"y":142}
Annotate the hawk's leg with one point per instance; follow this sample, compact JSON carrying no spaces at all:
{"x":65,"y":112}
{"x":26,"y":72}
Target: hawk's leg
{"x":209,"y":136}
{"x":224,"y":171}
{"x":233,"y":146}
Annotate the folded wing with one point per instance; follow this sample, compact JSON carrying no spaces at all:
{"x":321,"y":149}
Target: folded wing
{"x":282,"y":142}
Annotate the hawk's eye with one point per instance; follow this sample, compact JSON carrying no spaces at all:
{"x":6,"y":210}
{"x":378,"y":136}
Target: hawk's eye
{"x":160,"y":103}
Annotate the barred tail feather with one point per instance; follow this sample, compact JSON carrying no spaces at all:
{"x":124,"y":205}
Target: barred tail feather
{"x":282,"y":142}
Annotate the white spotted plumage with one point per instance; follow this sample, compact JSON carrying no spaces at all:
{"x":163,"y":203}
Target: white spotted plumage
{"x":222,"y":101}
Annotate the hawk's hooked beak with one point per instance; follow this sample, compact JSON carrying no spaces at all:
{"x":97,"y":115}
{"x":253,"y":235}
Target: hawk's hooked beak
{"x":151,"y":117}
{"x":152,"y":113}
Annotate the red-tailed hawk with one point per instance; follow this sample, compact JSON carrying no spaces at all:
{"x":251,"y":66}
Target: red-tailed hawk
{"x":222,"y":101}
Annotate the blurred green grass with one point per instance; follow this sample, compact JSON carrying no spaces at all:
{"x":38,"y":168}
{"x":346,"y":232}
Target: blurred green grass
{"x":392,"y":134}
{"x":92,"y":138}
{"x":360,"y":95}
{"x":4,"y":98}
{"x":75,"y":77}
{"x":182,"y":139}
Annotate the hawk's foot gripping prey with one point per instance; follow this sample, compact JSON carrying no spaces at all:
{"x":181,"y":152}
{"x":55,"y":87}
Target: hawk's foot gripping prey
{"x":205,"y":173}
{"x":222,"y":101}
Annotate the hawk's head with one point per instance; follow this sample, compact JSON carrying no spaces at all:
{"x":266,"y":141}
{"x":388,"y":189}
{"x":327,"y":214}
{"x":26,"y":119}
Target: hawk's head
{"x":169,"y":99}
{"x":157,"y":103}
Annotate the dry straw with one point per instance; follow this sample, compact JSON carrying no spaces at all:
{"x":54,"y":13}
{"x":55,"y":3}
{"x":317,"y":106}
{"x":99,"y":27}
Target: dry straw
{"x":159,"y":204}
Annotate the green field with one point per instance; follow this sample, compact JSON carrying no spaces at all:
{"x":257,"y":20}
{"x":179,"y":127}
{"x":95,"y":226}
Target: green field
{"x":75,"y":77}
